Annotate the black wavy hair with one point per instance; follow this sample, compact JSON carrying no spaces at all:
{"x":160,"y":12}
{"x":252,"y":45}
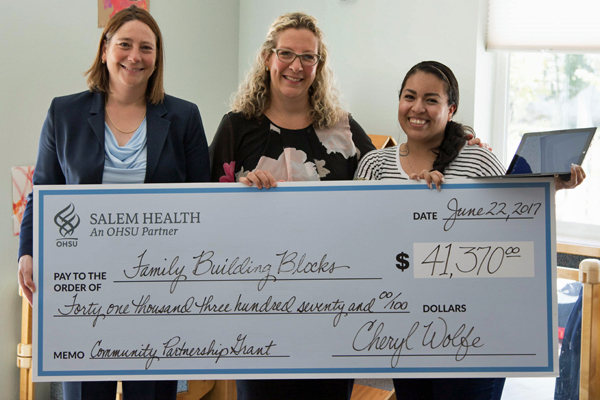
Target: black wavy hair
{"x":454,"y":134}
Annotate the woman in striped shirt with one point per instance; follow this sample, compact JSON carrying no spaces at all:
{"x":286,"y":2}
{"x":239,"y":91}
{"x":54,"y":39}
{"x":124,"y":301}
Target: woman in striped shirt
{"x":435,"y":147}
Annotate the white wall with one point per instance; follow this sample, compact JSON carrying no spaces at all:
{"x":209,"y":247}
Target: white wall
{"x":45,"y":48}
{"x":374,"y":43}
{"x":485,"y":84}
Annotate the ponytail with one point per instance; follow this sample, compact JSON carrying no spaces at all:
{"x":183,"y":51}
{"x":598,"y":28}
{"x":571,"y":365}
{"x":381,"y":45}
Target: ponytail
{"x":453,"y":142}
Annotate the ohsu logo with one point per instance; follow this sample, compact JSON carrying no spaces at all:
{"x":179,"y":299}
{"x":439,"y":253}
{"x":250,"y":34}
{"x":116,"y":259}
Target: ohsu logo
{"x":67,"y":221}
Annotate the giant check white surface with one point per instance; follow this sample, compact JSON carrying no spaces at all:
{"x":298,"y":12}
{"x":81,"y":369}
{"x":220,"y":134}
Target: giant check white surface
{"x":354,"y":279}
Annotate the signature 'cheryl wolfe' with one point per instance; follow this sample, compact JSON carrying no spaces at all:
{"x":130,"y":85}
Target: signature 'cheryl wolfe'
{"x":434,"y":335}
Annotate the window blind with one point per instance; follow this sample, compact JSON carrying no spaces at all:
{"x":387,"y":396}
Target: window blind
{"x":571,"y":26}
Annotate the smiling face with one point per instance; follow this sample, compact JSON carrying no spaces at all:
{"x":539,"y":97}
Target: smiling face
{"x":130,"y":56}
{"x":423,"y":111}
{"x":292,"y":81}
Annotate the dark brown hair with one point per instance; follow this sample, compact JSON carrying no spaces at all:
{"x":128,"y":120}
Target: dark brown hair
{"x":98,"y":80}
{"x":454,"y":134}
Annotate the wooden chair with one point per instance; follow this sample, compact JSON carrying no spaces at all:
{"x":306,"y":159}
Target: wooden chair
{"x":27,"y":391}
{"x":361,"y":392}
{"x":382,"y":141}
{"x":202,"y":389}
{"x":589,"y":275}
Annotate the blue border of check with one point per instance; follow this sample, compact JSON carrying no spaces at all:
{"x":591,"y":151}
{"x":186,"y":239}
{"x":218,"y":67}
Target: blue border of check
{"x":50,"y":192}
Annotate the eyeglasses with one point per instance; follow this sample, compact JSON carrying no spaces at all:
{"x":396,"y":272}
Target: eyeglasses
{"x":288,"y":57}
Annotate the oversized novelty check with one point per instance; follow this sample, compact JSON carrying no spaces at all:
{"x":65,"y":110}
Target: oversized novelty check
{"x":354,"y":279}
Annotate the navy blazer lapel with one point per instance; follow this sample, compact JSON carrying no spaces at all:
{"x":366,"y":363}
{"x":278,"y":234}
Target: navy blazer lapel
{"x":156,"y":134}
{"x":96,"y":119}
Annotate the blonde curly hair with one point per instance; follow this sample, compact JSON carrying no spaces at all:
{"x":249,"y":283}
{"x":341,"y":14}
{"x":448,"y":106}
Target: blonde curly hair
{"x":253,"y":97}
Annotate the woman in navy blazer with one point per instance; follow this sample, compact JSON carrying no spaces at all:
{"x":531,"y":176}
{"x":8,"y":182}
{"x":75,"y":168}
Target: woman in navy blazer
{"x":85,"y":136}
{"x":71,"y":149}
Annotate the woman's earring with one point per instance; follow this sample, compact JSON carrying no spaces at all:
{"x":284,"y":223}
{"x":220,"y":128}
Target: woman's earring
{"x":267,"y":69}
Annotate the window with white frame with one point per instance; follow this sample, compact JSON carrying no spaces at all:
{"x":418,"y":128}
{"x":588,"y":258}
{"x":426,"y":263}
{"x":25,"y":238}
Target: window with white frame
{"x":550,"y":91}
{"x":553,"y":83}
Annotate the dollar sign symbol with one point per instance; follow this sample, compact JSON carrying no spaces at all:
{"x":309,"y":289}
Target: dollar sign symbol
{"x":404,"y":264}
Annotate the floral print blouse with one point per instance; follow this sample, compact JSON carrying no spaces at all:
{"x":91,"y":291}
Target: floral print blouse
{"x":310,"y":154}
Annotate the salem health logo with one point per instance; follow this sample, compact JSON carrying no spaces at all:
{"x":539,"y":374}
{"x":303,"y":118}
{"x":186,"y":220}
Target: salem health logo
{"x":67,"y":221}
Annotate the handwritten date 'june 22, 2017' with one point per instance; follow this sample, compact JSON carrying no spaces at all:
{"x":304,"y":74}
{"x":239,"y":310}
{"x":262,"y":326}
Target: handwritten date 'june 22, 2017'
{"x":494,"y":210}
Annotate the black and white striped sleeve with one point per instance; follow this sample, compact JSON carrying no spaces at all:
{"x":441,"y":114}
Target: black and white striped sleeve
{"x":379,"y":164}
{"x":473,"y":161}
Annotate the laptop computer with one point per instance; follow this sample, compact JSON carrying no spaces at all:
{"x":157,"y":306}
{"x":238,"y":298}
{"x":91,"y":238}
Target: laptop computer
{"x":550,"y":153}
